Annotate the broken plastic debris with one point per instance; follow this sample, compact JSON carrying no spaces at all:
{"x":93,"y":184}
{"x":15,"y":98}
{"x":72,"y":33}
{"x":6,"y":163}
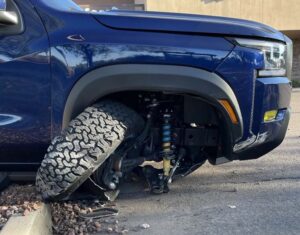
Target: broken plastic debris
{"x":99,"y":213}
{"x":232,"y":206}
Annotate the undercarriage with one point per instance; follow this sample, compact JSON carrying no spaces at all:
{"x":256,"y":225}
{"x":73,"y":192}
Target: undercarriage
{"x":180,"y":133}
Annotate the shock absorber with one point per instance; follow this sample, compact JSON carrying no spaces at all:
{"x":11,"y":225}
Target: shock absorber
{"x":167,"y":148}
{"x":159,"y":179}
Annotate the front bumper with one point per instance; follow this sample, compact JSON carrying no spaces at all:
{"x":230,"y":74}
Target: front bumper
{"x":271,"y":135}
{"x":270,"y":94}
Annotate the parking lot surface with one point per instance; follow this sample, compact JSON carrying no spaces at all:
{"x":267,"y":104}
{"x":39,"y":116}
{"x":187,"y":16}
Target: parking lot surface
{"x":252,"y":197}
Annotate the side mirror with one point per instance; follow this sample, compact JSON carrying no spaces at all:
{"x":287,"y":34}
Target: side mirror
{"x":7,"y":17}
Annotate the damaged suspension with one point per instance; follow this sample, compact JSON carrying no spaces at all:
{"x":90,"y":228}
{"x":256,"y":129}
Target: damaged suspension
{"x":169,"y":155}
{"x":168,"y":149}
{"x":159,"y":182}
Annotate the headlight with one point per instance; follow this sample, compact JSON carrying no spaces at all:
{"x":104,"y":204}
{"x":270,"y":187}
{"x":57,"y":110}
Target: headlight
{"x":275,"y":56}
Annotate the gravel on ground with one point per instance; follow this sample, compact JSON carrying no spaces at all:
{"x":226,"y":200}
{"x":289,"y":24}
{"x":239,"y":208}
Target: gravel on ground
{"x":18,"y":200}
{"x":68,"y":217}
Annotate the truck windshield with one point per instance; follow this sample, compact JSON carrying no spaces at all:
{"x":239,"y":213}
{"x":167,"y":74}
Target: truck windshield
{"x":64,"y":5}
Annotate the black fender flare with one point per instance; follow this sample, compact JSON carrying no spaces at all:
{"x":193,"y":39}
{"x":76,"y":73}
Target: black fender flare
{"x":152,"y":77}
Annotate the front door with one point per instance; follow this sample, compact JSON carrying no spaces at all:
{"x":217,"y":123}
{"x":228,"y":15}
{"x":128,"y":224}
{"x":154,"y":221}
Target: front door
{"x":25,"y":100}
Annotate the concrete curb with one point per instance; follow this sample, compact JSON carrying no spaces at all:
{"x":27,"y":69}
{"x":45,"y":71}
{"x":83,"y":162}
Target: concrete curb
{"x":36,"y":223}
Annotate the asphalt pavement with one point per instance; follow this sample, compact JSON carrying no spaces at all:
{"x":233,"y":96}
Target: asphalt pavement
{"x":251,"y":197}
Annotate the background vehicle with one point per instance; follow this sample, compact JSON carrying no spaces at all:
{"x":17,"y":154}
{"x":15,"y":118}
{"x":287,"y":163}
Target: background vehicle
{"x":117,"y":89}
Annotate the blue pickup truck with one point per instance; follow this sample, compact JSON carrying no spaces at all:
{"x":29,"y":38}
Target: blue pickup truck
{"x":86,"y":98}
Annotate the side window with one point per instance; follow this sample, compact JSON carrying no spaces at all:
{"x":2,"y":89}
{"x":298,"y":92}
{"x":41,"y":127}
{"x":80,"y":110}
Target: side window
{"x":11,"y":21}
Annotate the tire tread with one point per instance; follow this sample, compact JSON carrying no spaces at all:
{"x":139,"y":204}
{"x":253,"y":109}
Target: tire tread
{"x":83,"y":146}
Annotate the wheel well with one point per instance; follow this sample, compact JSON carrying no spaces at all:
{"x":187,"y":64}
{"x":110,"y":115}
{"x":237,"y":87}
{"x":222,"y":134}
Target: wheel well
{"x":202,"y":85}
{"x":193,"y":111}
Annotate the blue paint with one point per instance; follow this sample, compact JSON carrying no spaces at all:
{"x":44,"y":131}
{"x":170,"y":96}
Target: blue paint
{"x":185,"y":23}
{"x":39,"y":67}
{"x":25,"y":93}
{"x":2,"y":5}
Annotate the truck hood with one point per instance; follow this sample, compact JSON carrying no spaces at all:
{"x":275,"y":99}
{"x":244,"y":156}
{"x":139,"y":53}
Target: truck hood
{"x":186,"y":23}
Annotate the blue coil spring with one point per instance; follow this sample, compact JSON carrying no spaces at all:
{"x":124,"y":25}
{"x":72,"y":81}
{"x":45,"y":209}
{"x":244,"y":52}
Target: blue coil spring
{"x":167,"y":135}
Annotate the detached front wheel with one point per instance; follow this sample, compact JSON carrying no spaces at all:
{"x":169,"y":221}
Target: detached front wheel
{"x":84,"y":146}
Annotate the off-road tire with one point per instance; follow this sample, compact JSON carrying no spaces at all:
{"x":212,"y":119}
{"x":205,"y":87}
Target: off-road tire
{"x":83,"y":146}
